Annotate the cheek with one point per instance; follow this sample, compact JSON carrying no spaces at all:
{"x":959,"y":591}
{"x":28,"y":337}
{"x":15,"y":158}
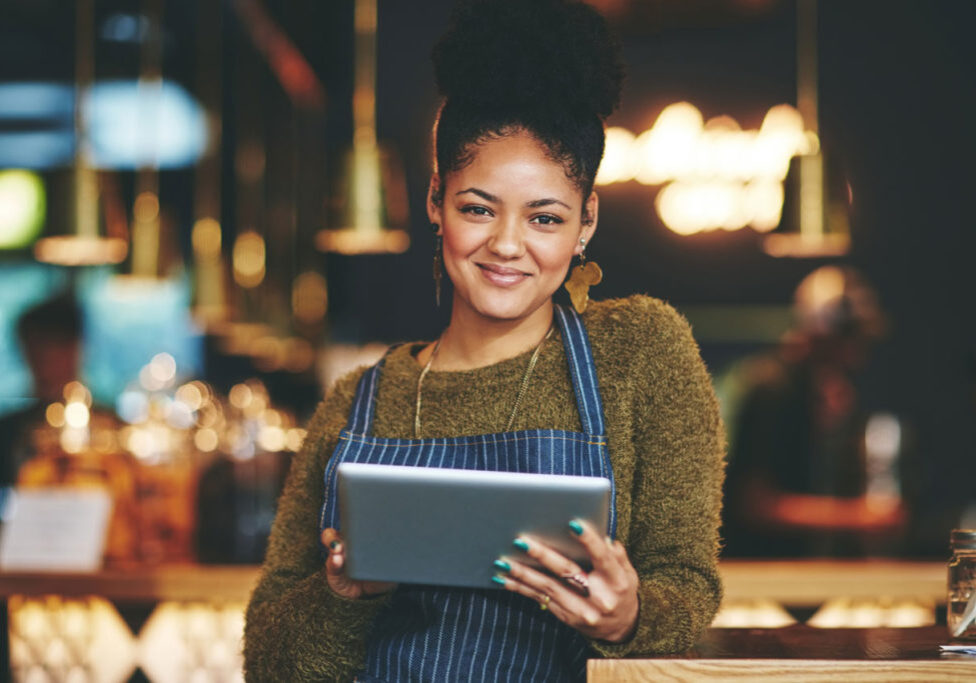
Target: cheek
{"x":452,"y":243}
{"x":555,"y":258}
{"x":456,"y":248}
{"x":459,"y":242}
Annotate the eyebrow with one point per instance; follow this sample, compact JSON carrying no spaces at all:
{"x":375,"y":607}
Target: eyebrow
{"x":481,"y":193}
{"x":534,"y":204}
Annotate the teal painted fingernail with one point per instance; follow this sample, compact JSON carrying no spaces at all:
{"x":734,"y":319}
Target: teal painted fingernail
{"x":334,"y":545}
{"x":521,"y":545}
{"x":503,"y":565}
{"x":498,"y":579}
{"x":576,"y":527}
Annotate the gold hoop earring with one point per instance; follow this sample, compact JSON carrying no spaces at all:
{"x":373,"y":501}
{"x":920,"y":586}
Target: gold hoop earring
{"x":583,"y":276}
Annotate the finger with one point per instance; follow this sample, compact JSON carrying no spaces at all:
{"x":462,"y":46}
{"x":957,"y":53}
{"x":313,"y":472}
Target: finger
{"x":513,"y":584}
{"x":553,"y":560}
{"x":337,"y":557}
{"x":621,"y":552}
{"x":330,"y":536}
{"x":599,"y":548}
{"x":541,"y":583}
{"x":377,"y":587}
{"x":336,"y":560}
{"x":333,"y":545}
{"x":569,"y":572}
{"x":565,"y":606}
{"x":534,"y":579}
{"x":624,"y":559}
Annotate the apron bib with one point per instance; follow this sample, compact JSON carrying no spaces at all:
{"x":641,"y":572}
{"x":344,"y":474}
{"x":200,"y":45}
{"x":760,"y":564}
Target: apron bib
{"x":430,"y":633}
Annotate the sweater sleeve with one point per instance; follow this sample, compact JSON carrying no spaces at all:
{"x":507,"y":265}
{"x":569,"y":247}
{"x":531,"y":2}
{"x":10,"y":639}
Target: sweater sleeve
{"x":297,"y":628}
{"x":680,"y":446}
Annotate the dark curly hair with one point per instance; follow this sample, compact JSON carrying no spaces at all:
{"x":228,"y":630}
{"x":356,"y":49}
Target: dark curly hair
{"x":548,"y":67}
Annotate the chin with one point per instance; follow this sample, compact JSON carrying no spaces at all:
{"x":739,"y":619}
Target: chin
{"x":504,"y":308}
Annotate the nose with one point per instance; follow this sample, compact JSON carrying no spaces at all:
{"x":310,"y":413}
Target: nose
{"x":506,"y":240}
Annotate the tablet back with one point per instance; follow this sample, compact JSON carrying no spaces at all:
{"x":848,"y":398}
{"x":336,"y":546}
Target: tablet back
{"x":445,"y":527}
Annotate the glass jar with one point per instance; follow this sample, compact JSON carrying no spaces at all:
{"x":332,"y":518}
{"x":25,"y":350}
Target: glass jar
{"x":961,"y":605}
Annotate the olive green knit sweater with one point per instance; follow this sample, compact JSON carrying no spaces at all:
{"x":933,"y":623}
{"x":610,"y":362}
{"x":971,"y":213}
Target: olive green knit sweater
{"x":666,"y":444}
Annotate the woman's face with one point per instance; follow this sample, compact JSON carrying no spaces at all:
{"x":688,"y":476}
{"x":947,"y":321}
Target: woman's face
{"x":511,"y":222}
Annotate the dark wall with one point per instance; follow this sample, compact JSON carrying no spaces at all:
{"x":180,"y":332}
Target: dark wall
{"x":897,"y":94}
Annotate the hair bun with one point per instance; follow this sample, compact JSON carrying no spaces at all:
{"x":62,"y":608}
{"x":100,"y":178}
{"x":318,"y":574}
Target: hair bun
{"x":535,"y":53}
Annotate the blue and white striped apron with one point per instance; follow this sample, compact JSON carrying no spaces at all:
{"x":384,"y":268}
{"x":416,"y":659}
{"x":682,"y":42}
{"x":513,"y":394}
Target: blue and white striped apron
{"x":462,"y":634}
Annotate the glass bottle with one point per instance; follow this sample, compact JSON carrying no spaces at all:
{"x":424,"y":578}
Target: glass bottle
{"x":961,"y":604}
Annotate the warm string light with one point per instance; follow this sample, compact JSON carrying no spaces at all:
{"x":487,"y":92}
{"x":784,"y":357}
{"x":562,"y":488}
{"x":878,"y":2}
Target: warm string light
{"x":714,"y":174}
{"x":249,"y":259}
{"x":72,"y":417}
{"x":166,"y":420}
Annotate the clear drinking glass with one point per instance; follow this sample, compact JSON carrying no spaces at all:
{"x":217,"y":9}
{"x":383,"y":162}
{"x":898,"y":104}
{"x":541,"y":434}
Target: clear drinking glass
{"x":961,"y":604}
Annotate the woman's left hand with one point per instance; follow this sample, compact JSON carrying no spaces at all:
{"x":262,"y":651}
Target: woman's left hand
{"x":600,"y":604}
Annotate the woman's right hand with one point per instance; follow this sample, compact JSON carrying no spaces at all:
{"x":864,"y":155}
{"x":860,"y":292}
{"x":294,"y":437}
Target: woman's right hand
{"x":335,"y":570}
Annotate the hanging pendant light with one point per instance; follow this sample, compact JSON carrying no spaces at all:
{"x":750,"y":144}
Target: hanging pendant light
{"x":208,"y":263}
{"x":147,"y":228}
{"x":819,"y":221}
{"x":84,"y":245}
{"x":371,"y":199}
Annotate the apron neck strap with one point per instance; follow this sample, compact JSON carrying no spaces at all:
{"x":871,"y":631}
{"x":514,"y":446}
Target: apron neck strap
{"x":364,"y":402}
{"x":582,"y":370}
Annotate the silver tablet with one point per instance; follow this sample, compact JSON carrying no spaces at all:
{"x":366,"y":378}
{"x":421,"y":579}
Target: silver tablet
{"x":445,"y":527}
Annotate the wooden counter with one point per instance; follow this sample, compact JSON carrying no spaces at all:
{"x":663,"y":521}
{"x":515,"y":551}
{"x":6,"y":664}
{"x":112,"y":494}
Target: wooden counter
{"x":800,"y":653}
{"x":795,"y":582}
{"x":211,"y":583}
{"x":792,"y":653}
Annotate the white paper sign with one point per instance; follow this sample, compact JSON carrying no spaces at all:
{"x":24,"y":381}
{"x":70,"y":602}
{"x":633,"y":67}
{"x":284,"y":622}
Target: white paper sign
{"x":55,"y":529}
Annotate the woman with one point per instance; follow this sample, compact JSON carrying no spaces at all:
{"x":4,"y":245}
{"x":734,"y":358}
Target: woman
{"x":619,"y":389}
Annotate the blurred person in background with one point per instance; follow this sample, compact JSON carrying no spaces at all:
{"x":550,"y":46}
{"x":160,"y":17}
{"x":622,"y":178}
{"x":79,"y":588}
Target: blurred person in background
{"x":810,"y":473}
{"x":50,"y":336}
{"x":33,"y":443}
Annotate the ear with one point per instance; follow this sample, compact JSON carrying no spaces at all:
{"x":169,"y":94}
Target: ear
{"x":591,"y":211}
{"x":435,"y":200}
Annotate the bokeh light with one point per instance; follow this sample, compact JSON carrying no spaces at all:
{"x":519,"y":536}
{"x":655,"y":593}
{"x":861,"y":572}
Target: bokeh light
{"x":715,"y":175}
{"x":76,"y":415}
{"x":206,"y":238}
{"x":23,"y":205}
{"x":248,"y":259}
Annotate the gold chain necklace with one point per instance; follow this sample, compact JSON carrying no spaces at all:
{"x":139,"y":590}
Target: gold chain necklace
{"x":518,"y":399}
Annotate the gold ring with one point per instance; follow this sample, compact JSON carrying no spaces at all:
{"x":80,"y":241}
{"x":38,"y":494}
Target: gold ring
{"x":544,"y":603}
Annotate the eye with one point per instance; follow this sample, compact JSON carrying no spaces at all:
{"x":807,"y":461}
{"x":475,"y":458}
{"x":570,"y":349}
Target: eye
{"x":546,"y":219}
{"x":476,"y":210}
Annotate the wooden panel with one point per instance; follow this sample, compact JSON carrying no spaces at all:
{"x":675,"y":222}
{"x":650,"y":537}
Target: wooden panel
{"x":805,"y":642}
{"x":812,"y":582}
{"x":179,"y":582}
{"x":801,"y":653}
{"x":799,"y":582}
{"x":778,"y":671}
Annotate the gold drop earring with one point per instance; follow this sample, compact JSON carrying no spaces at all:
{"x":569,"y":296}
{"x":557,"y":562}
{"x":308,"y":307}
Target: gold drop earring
{"x":583,"y":276}
{"x":438,"y":262}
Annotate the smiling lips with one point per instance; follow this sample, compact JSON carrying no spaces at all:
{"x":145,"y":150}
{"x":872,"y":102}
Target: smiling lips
{"x":502,"y":276}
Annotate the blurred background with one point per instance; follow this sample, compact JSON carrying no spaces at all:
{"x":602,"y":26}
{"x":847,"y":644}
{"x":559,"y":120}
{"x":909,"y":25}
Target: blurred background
{"x":210,"y":210}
